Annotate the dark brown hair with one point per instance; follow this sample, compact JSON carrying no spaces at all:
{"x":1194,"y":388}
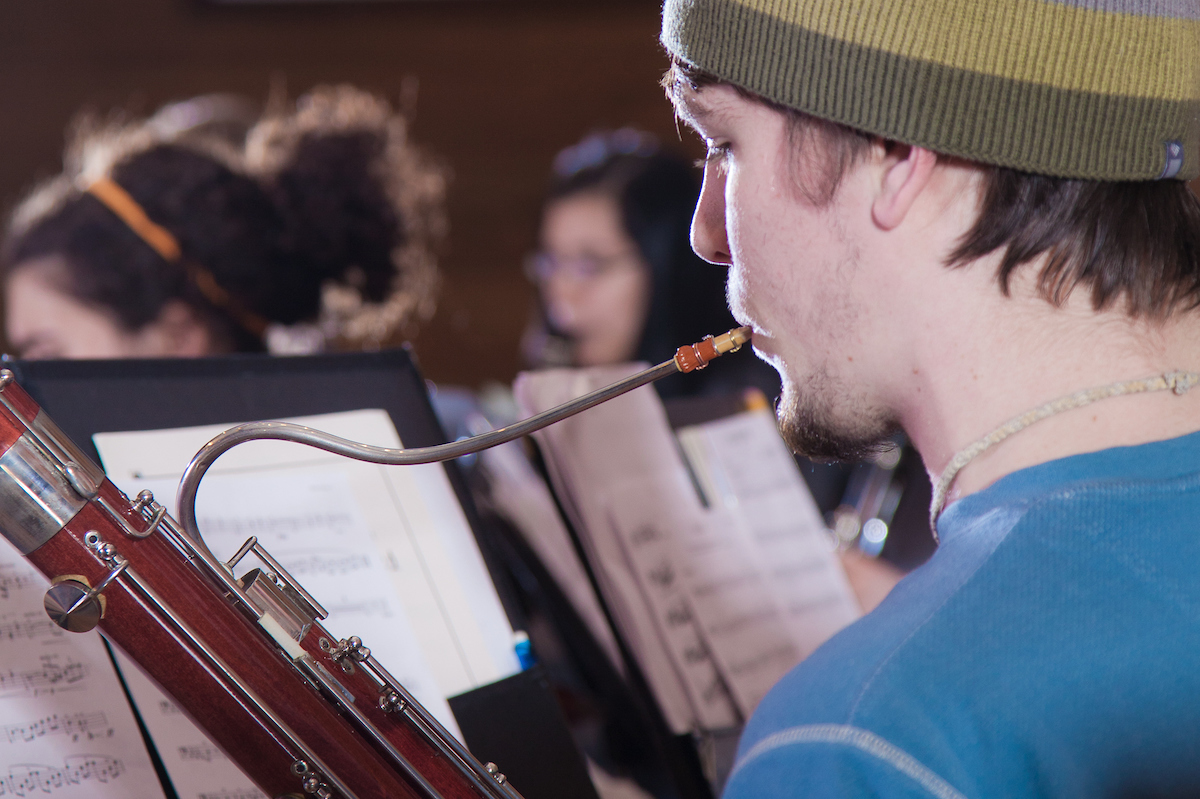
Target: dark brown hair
{"x":655,"y":192}
{"x":1136,"y":242}
{"x":328,"y":195}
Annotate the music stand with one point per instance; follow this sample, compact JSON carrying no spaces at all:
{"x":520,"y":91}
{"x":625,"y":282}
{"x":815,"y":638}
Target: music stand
{"x":88,"y":397}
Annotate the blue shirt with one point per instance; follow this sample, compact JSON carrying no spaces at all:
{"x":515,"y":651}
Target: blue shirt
{"x":1050,"y":648}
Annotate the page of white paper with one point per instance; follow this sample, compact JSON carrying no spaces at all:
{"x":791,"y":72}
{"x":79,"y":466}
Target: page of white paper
{"x":748,"y":470}
{"x":734,"y":593}
{"x":650,"y":539}
{"x":738,"y":613}
{"x":522,"y":497}
{"x":626,"y":439}
{"x":66,"y":729}
{"x":386,"y":550}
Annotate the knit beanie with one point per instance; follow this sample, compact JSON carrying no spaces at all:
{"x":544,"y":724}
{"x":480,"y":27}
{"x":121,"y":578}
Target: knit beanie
{"x":1092,"y":89}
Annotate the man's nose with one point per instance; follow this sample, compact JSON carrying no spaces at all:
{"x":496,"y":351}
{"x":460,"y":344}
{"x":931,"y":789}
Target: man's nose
{"x":709,"y":239}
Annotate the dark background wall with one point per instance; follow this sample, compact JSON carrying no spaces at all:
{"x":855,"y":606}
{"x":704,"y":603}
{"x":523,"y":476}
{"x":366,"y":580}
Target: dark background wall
{"x":503,"y":84}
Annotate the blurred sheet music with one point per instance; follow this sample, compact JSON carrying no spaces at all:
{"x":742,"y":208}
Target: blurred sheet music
{"x":626,"y":438}
{"x":521,"y":496}
{"x":772,"y":545}
{"x":751,"y":473}
{"x":716,"y":566}
{"x":66,"y":729}
{"x":386,"y":550}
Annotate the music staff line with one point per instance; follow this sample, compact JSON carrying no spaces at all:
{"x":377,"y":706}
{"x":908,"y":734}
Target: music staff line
{"x":48,"y":679}
{"x":30,"y":627}
{"x":203,"y":753}
{"x":26,"y":779}
{"x":79,"y":726}
{"x":10,"y":582}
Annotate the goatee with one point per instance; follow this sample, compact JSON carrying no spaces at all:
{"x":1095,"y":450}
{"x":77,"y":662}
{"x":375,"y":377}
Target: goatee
{"x":810,"y":425}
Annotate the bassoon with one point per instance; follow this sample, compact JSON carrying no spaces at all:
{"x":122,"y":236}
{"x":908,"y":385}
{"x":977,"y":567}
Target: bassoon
{"x":302,"y":712}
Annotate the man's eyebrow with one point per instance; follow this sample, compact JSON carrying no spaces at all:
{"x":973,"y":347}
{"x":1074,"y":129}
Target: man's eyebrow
{"x":693,"y":110}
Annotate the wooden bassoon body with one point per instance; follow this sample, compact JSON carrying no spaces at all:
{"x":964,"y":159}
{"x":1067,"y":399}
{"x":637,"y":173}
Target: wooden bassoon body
{"x":304,"y":714}
{"x":300,"y":711}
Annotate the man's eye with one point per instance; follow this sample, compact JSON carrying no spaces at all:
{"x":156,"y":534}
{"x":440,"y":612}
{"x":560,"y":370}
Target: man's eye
{"x":716,"y":155}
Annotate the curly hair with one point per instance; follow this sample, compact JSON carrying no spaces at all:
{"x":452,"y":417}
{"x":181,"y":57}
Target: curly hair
{"x":328,"y":215}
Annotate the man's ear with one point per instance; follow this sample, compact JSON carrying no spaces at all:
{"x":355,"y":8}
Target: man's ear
{"x":906,"y":171}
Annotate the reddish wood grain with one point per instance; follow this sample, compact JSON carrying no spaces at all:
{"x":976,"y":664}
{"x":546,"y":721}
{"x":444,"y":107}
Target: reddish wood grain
{"x":237,"y":728}
{"x":399,"y":732}
{"x":12,"y":428}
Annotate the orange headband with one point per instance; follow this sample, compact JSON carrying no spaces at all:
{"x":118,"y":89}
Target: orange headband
{"x":127,"y":209}
{"x":117,"y":200}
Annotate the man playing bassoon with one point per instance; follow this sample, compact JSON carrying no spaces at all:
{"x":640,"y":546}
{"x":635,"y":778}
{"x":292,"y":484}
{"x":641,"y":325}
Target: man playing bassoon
{"x":970,"y":220}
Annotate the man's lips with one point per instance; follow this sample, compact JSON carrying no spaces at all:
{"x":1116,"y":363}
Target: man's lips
{"x":763,"y":344}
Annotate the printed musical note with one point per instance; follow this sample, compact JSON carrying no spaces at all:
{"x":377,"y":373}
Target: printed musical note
{"x":25,"y":779}
{"x":247,"y":794}
{"x":31,"y":626}
{"x":66,"y":729}
{"x":645,"y":534}
{"x":80,"y":726}
{"x":281,"y":527}
{"x":16,"y":581}
{"x":679,"y":613}
{"x":168,"y":708}
{"x":662,"y":575}
{"x":202,"y":752}
{"x":696,"y":652}
{"x":326,"y":564}
{"x":55,"y":673}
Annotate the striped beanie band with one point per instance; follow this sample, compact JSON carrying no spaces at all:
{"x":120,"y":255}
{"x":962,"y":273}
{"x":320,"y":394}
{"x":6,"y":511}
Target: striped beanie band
{"x":1092,"y":89}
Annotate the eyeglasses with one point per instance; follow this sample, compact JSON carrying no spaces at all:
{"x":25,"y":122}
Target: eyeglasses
{"x":542,"y":266}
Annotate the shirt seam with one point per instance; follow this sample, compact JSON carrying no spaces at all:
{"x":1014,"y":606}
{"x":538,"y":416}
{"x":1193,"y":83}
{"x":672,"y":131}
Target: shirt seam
{"x":1022,"y":506}
{"x":864,"y":741}
{"x":1033,"y":495}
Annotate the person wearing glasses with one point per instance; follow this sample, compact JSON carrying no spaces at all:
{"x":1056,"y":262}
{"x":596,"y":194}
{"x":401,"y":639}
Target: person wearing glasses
{"x":971,"y":221}
{"x":616,"y":276}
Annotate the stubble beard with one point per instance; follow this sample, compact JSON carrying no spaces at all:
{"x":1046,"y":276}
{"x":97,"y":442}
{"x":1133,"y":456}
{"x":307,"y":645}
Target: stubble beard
{"x":824,"y":422}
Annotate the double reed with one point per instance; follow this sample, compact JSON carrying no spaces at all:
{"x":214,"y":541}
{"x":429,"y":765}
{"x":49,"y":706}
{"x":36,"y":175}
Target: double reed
{"x":300,"y":711}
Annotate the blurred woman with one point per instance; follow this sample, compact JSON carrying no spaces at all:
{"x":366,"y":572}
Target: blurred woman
{"x":316,"y":231}
{"x":617,"y":277}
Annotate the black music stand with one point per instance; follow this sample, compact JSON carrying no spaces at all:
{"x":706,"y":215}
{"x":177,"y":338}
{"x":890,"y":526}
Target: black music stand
{"x":514,"y":722}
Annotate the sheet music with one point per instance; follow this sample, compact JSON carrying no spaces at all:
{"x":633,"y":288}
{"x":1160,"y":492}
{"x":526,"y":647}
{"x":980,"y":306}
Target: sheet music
{"x":739,"y":616}
{"x":649,"y":539}
{"x":386,"y":550}
{"x":66,"y":729}
{"x":521,"y":496}
{"x":737,"y":581}
{"x":748,"y":470}
{"x":627,"y":437}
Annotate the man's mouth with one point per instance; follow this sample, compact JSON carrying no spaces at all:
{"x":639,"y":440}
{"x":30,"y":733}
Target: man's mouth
{"x":762,"y":343}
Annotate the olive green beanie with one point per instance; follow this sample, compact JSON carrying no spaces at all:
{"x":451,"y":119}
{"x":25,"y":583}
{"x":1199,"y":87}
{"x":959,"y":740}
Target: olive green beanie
{"x":1094,"y":89}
